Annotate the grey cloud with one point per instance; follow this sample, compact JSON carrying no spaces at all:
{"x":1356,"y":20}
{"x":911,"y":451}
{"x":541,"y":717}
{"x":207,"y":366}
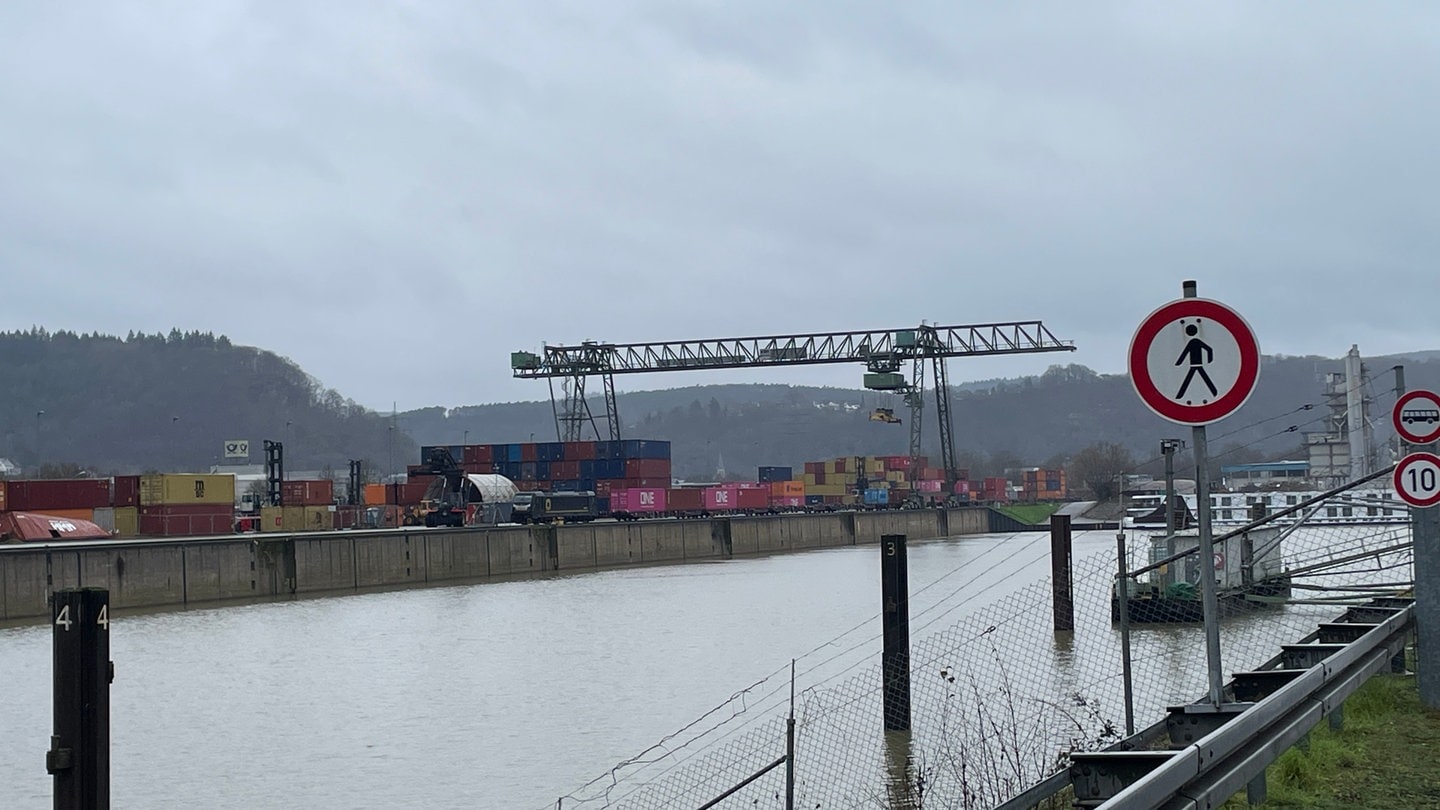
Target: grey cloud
{"x":298,"y":174}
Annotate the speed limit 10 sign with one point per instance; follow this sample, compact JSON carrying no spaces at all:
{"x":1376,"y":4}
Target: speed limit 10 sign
{"x":1417,"y":479}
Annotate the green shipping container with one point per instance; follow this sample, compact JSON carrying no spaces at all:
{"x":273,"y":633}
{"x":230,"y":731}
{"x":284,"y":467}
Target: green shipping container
{"x":886,"y":381}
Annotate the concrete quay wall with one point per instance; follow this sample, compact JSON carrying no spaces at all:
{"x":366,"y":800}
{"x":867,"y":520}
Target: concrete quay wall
{"x":188,"y":571}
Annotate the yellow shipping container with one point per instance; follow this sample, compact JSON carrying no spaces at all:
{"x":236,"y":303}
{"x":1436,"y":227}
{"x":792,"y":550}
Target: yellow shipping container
{"x":318,"y":518}
{"x":809,"y":479}
{"x":272,"y":518}
{"x":127,"y":521}
{"x":173,"y":489}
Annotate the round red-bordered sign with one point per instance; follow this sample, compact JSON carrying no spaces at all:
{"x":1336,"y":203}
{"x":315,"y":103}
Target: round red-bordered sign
{"x":1417,"y":479}
{"x":1194,"y":361}
{"x":1417,"y":410}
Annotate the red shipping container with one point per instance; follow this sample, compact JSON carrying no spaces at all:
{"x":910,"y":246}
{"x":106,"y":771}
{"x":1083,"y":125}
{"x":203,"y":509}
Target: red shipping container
{"x":753,"y":498}
{"x":930,"y":486}
{"x":190,"y":520}
{"x":787,"y":500}
{"x":478,"y":468}
{"x":604,"y":488}
{"x":815,"y":468}
{"x":647,"y":468}
{"x":579,"y":451}
{"x":407,"y":494}
{"x":476,"y":454}
{"x":125,"y":491}
{"x":317,"y":492}
{"x":528,"y":452}
{"x":721,"y":498}
{"x":685,"y":499}
{"x":564,"y":470}
{"x":71,"y":493}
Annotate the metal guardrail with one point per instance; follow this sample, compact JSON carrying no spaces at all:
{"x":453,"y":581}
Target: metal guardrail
{"x":1223,"y":762}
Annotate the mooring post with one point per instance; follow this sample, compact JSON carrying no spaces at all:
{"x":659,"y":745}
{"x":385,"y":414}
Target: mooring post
{"x":79,"y":755}
{"x":895,"y":596}
{"x":1122,"y":593}
{"x":1062,"y":589}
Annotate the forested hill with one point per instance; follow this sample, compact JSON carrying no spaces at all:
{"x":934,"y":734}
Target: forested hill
{"x":168,"y":402}
{"x":1042,"y":420}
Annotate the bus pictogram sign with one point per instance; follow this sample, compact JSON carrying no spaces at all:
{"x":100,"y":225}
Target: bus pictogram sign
{"x":1194,"y":361}
{"x":1416,"y":417}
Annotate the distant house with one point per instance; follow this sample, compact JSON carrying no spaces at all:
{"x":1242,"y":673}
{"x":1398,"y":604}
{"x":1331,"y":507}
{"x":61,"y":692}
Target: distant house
{"x":8,"y":468}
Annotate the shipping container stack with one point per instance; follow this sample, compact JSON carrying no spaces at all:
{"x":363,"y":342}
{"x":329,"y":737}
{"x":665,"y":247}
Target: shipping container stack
{"x":1043,"y":485}
{"x":602,"y":467}
{"x":306,"y":506}
{"x":183,"y":505}
{"x":68,"y":499}
{"x":887,"y":478}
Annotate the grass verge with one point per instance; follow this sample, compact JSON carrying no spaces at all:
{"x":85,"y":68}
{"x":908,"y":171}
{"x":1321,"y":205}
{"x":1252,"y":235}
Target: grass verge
{"x":1387,"y":755}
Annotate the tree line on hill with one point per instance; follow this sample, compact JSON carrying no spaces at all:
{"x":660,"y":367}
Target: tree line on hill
{"x":168,"y":401}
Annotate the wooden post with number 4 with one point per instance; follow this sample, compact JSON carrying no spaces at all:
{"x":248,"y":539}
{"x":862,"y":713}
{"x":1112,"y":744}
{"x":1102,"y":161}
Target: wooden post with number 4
{"x":79,"y":755}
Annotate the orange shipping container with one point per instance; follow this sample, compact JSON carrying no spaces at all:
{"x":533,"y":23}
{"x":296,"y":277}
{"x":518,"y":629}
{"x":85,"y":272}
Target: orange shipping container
{"x":374,"y":494}
{"x":72,"y":514}
{"x":788,"y":489}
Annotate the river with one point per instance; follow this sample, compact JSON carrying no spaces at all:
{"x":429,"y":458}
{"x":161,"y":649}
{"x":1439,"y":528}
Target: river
{"x":499,"y":694}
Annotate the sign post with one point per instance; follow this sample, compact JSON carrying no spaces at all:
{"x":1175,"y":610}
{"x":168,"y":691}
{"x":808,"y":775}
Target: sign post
{"x":1416,"y":418}
{"x":1195,"y":361}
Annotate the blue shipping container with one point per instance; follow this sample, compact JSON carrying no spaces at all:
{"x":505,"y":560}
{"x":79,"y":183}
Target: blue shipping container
{"x":512,"y":452}
{"x":550,"y":451}
{"x":769,"y":475}
{"x":877,"y":497}
{"x":645,"y":448}
{"x":587,"y":469}
{"x":542,"y":471}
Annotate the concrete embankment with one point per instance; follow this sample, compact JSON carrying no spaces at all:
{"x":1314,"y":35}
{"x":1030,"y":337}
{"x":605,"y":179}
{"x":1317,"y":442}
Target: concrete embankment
{"x":170,"y":572}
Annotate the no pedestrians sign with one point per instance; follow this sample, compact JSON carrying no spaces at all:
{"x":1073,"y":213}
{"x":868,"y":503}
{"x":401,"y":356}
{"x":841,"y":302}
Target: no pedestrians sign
{"x":1194,"y":361}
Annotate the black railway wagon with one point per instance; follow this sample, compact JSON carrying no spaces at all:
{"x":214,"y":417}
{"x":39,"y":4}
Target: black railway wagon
{"x":548,"y":507}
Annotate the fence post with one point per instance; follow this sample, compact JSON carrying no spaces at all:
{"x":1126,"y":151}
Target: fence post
{"x":1060,"y":574}
{"x":1122,"y":592}
{"x":895,"y":596}
{"x":79,"y":755}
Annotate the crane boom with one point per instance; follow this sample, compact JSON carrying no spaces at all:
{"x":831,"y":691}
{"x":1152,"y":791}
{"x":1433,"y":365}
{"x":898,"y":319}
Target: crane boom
{"x":866,"y":346}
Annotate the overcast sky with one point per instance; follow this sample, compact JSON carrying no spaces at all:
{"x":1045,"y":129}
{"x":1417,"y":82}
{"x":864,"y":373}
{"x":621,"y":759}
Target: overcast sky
{"x":397,"y":195}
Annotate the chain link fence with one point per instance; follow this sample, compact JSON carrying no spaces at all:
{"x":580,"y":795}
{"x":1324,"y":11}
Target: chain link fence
{"x":999,"y":700}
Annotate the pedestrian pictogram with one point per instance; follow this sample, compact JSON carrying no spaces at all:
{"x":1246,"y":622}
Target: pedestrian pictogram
{"x":1417,"y":479}
{"x":1416,"y":417}
{"x":1194,"y":361}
